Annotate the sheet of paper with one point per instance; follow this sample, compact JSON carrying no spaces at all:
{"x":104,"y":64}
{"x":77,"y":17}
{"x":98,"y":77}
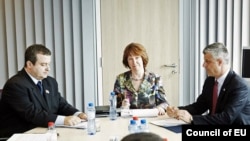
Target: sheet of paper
{"x":144,"y":112}
{"x":168,"y":122}
{"x":81,"y":125}
{"x":28,"y":137}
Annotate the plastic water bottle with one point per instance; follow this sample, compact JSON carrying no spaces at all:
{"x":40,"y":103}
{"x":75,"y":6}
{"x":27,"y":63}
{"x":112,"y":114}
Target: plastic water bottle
{"x":112,"y":107}
{"x":91,"y":127}
{"x":125,"y":111}
{"x":52,"y":134}
{"x":136,"y":119}
{"x":144,"y":126}
{"x":132,"y":128}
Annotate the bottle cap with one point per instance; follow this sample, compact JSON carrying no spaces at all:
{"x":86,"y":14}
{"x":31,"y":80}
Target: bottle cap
{"x":50,"y":124}
{"x":91,"y":104}
{"x":132,"y":121}
{"x":143,"y":121}
{"x":112,"y":93}
{"x":135,"y":118}
{"x":165,"y":139}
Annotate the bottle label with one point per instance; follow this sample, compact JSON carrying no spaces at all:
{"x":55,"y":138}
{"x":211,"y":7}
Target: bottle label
{"x":91,"y":115}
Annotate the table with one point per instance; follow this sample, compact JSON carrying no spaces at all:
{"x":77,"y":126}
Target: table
{"x":109,"y":129}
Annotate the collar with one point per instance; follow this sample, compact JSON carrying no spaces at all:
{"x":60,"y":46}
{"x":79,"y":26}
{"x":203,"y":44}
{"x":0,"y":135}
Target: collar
{"x":223,"y":77}
{"x":33,"y":78}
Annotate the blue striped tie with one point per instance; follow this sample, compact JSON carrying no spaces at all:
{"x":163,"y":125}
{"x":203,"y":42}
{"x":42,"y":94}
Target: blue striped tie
{"x":40,"y":86}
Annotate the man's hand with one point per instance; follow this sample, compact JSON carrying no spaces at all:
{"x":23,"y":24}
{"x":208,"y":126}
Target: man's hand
{"x":72,"y":120}
{"x":83,"y":116}
{"x":172,"y":111}
{"x":184,"y":115}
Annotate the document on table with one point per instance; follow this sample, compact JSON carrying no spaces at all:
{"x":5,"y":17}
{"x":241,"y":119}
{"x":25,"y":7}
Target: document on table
{"x":171,"y":124}
{"x":81,"y":125}
{"x":144,"y":112}
{"x":168,"y":122}
{"x":28,"y":137}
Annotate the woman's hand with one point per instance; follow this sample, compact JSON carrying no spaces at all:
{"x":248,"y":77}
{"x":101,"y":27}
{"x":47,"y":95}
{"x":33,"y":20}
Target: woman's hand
{"x":125,"y":103}
{"x":161,"y":110}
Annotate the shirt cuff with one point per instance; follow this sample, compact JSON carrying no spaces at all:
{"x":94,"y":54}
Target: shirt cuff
{"x":163,"y":105}
{"x":60,"y":120}
{"x":77,"y":113}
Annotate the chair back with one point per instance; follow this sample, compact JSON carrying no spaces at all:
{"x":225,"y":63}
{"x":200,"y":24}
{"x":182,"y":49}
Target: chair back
{"x":1,"y":90}
{"x":2,"y":138}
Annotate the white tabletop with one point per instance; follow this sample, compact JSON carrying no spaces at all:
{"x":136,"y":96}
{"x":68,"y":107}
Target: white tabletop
{"x":109,"y":128}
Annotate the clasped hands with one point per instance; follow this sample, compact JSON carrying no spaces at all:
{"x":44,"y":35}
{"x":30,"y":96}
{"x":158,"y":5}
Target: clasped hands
{"x":179,"y":114}
{"x":73,"y":120}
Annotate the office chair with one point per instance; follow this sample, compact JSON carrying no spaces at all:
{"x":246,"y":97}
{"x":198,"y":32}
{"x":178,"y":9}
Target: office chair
{"x":1,"y":90}
{"x":2,"y":138}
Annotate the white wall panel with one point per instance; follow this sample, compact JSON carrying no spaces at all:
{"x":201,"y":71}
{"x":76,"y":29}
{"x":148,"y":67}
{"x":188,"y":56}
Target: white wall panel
{"x":246,"y":23}
{"x":29,"y":22}
{"x":67,"y":28}
{"x":221,"y":18}
{"x":237,"y":32}
{"x":212,"y":20}
{"x":225,"y":21}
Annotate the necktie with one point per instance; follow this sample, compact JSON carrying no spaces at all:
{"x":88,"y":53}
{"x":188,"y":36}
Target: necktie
{"x":39,"y":84}
{"x":215,"y":96}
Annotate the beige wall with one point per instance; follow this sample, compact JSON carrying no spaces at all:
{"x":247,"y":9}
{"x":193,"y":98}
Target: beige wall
{"x":67,"y":28}
{"x":153,"y":23}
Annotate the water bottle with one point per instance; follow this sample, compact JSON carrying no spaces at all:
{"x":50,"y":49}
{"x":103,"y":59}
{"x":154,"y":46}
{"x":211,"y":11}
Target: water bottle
{"x":112,"y":107}
{"x":91,"y":127}
{"x":136,"y":119}
{"x":144,"y":126}
{"x":52,"y":134}
{"x":125,"y":111}
{"x":132,"y":128}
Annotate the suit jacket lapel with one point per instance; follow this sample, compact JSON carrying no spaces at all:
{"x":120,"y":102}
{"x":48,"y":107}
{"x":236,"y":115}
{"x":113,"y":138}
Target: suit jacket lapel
{"x":35,"y":90}
{"x":224,"y":88}
{"x":40,"y":98}
{"x":47,"y":94}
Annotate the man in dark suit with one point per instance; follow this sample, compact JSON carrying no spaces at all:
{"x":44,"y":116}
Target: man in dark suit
{"x":24,"y":105}
{"x":232,"y":105}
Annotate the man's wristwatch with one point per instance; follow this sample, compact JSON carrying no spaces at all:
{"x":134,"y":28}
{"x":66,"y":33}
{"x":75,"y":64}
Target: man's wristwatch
{"x":191,"y":119}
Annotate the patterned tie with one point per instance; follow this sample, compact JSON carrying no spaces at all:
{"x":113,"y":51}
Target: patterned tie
{"x":40,"y":86}
{"x":215,"y":96}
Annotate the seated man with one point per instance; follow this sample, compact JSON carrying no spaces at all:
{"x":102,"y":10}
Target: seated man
{"x":25,"y":104}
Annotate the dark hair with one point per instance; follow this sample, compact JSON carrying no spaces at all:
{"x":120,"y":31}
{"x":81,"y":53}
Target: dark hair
{"x":33,"y":50}
{"x":143,"y":136}
{"x":135,"y":49}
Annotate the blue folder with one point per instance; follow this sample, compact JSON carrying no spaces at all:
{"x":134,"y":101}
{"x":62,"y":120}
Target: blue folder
{"x":176,"y":129}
